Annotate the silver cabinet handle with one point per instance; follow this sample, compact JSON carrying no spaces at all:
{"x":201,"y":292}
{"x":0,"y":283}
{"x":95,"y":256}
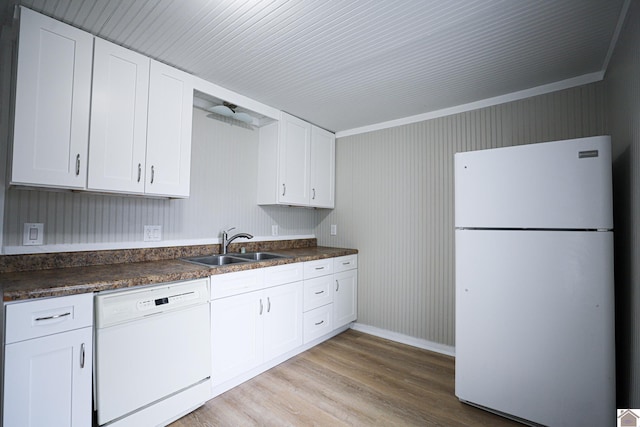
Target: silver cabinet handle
{"x":139,"y":171}
{"x":82,"y":356}
{"x":268,"y":305}
{"x":314,"y":194}
{"x":55,"y":316}
{"x":261,"y":307}
{"x":319,"y":268}
{"x":320,"y":323}
{"x":346,"y":263}
{"x":152,"y":174}
{"x":284,"y":189}
{"x":321,"y":292}
{"x":77,"y":164}
{"x":337,"y":285}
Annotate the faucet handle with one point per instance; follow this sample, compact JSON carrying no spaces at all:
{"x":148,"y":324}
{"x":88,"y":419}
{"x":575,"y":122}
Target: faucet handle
{"x":228,"y":230}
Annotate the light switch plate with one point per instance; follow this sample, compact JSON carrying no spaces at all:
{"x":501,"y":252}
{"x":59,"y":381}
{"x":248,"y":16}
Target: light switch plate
{"x":152,"y":233}
{"x":33,"y":234}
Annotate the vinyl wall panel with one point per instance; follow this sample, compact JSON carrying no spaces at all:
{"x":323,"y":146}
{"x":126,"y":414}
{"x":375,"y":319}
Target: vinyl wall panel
{"x":623,"y":105}
{"x":395,"y":202}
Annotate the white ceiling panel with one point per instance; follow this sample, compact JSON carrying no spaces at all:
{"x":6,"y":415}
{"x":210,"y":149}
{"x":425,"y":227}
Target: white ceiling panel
{"x":344,"y":64}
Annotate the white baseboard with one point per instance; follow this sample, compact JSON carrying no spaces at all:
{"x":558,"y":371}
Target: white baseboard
{"x":405,"y":339}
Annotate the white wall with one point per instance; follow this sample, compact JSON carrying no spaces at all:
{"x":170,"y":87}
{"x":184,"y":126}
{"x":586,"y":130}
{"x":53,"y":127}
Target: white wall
{"x":223,"y":194}
{"x":394,"y":202}
{"x":623,"y":88}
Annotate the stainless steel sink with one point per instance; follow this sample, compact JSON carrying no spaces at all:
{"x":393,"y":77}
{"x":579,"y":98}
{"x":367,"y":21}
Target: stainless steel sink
{"x":215,"y":260}
{"x":218,"y":260}
{"x":259,"y":256}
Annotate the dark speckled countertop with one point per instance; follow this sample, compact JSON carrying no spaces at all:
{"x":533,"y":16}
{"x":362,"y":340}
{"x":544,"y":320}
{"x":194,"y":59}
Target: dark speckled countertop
{"x":21,"y":285}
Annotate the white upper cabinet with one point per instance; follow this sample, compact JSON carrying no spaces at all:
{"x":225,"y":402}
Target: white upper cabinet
{"x":118,"y":119}
{"x":140,"y":124}
{"x":126,"y":129}
{"x":322,"y":173}
{"x":169,"y":131}
{"x":293,"y":160}
{"x":53,"y":85}
{"x":296,"y":164}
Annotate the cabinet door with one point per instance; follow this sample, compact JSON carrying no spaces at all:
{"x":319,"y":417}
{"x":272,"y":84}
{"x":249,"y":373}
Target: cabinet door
{"x":169,"y":131}
{"x":53,"y":85}
{"x":293,"y":160}
{"x":282,"y":319}
{"x":236,"y":335}
{"x":345,"y":298}
{"x":322,"y":176}
{"x":118,"y":119}
{"x":48,"y":380}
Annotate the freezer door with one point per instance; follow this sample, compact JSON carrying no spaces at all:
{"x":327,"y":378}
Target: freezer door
{"x":535,"y":324}
{"x":557,"y":185}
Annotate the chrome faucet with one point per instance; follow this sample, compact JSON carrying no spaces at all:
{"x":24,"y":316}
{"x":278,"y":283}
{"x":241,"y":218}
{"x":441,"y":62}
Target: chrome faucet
{"x":226,"y":239}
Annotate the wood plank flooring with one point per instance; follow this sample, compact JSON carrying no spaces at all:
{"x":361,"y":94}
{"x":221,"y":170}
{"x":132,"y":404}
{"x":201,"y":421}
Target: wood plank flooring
{"x":354,"y":379}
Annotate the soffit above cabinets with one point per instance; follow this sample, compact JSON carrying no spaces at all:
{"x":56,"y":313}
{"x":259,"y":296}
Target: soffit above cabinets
{"x":353,"y":63}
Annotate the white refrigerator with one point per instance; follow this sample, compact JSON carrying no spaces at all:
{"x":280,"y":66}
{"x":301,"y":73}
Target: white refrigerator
{"x":534,"y":282}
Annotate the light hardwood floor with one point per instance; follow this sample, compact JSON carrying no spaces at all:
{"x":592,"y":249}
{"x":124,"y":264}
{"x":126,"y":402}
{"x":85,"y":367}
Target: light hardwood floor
{"x":354,"y":379}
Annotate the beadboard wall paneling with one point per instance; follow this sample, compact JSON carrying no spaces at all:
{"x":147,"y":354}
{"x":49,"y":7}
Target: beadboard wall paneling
{"x":394,"y":202}
{"x":223,"y":194}
{"x":623,"y":89}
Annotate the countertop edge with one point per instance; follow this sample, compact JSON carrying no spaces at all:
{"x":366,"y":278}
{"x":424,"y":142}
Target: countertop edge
{"x":23,"y":286}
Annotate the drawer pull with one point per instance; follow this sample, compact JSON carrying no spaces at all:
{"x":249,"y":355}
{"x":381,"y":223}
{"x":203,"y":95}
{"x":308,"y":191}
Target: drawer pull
{"x":321,"y":292}
{"x":82,"y":356}
{"x":55,"y":316}
{"x":320,"y":323}
{"x":346,"y":263}
{"x":319,"y":268}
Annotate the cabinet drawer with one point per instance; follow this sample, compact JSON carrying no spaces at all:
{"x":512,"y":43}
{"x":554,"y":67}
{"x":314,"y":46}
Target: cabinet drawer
{"x":318,"y":292}
{"x":318,"y":322}
{"x":41,"y":317}
{"x":281,"y":274}
{"x":224,"y":285}
{"x":343,"y":263}
{"x":320,"y":267}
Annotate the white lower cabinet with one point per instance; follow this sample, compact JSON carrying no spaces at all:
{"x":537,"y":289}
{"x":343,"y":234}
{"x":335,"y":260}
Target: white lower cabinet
{"x":253,"y":327}
{"x":262,"y":316}
{"x":282,"y":319}
{"x":48,"y":362}
{"x":345,"y":295}
{"x":330,"y":295}
{"x":345,"y":298}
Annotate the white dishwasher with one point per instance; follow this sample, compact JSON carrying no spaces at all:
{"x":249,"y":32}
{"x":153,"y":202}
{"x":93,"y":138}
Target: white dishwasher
{"x":152,"y":353}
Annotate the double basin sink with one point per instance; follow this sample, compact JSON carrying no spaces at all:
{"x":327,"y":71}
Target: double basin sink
{"x":219,"y":260}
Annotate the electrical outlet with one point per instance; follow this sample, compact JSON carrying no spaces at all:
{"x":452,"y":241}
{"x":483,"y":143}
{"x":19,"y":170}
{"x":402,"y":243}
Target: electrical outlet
{"x":334,"y":229}
{"x":152,"y":233}
{"x":274,"y":230}
{"x":33,"y":234}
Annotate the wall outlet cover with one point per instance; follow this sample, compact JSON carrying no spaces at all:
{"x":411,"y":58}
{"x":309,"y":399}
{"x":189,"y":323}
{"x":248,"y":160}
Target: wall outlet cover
{"x":334,"y":229}
{"x":274,"y":230}
{"x":33,"y":234}
{"x":152,"y":233}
